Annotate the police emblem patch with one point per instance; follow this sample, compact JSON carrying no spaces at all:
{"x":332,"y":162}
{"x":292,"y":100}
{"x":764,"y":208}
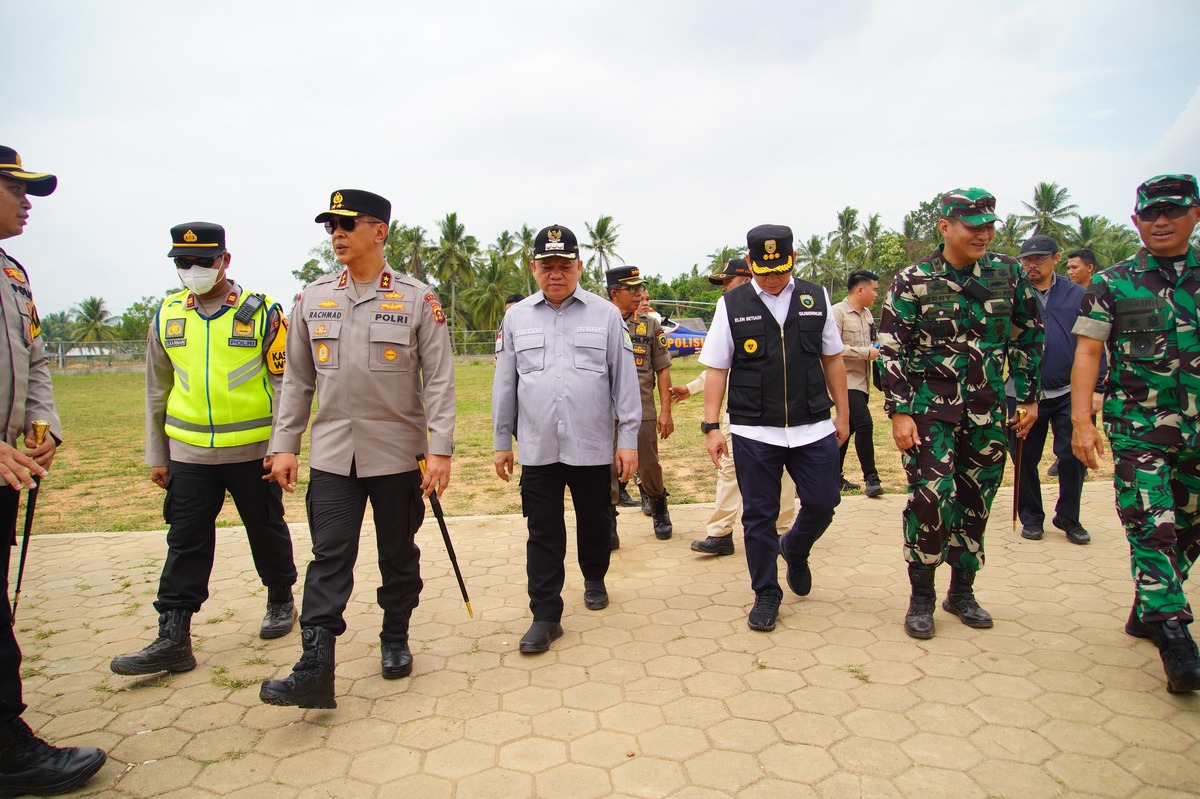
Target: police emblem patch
{"x":190,"y":237}
{"x":641,"y":328}
{"x":243,"y":329}
{"x":337,"y":201}
{"x":323,"y":353}
{"x":389,"y":354}
{"x":769,"y":246}
{"x":175,"y":328}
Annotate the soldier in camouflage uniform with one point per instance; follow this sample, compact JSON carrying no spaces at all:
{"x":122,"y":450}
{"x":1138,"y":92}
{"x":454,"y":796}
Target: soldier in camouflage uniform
{"x":1142,"y":311}
{"x":948,"y":325}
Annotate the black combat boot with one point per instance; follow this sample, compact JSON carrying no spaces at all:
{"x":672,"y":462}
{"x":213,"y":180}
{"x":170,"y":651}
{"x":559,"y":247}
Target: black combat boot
{"x":960,"y":600}
{"x":396,"y":659}
{"x":171,"y":651}
{"x":1136,"y":627}
{"x":29,"y":765}
{"x":647,"y":510}
{"x":311,"y":681}
{"x":281,"y":612}
{"x":1178,"y":652}
{"x":662,"y":519}
{"x":918,"y":622}
{"x":623,"y":498}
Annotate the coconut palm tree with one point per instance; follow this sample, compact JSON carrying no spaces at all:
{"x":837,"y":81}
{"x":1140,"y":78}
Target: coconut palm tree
{"x":810,"y":256}
{"x":718,"y":258}
{"x":409,"y":250}
{"x":870,"y":234}
{"x":844,"y":245}
{"x":93,"y":323}
{"x":1010,"y":234}
{"x":56,"y":326}
{"x":1050,"y":207}
{"x":603,"y":245}
{"x":525,"y":255}
{"x":453,"y":258}
{"x":495,"y":279}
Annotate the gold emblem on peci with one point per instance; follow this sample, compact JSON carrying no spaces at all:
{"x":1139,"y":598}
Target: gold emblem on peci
{"x":337,"y":200}
{"x":769,"y":246}
{"x":190,"y":237}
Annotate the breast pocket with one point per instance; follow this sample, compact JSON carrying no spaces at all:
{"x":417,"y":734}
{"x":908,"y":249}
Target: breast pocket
{"x":591,"y":350}
{"x":749,"y":341}
{"x":531,"y":352}
{"x":324,"y":337}
{"x":391,"y":348}
{"x":1144,"y":336}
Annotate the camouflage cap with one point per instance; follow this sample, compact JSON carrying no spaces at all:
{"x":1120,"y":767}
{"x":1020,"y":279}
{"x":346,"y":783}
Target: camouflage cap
{"x":972,"y":206}
{"x":1173,"y":189}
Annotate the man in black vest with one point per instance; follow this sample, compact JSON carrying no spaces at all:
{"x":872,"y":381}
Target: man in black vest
{"x":775,"y":342}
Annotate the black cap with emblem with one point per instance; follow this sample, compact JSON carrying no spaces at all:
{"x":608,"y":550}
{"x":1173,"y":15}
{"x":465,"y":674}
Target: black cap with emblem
{"x":735,"y":267}
{"x":39,"y":184}
{"x":356,"y":202}
{"x":624,"y":276}
{"x":770,"y":249}
{"x":197,"y":240}
{"x":555,"y":241}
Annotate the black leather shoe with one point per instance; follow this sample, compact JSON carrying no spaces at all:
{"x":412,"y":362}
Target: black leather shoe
{"x":281,"y":613}
{"x":1032,"y":532}
{"x":540,"y":635}
{"x":848,"y":486}
{"x":29,"y":765}
{"x":766,"y":608}
{"x":395,"y":660}
{"x":874,"y":488}
{"x":1053,"y":470}
{"x":1074,"y":530}
{"x":595,"y":595}
{"x":714,"y":545}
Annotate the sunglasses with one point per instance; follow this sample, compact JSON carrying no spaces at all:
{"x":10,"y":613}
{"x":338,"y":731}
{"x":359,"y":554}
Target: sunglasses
{"x":190,"y":261}
{"x":1169,"y":210}
{"x":347,"y":223}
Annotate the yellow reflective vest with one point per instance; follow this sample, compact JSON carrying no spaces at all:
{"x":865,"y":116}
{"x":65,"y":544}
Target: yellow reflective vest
{"x":222,"y":396}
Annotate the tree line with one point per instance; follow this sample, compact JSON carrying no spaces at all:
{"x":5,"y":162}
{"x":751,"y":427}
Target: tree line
{"x":473,"y":280}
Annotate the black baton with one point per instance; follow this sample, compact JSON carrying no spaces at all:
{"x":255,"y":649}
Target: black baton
{"x":436,"y":504}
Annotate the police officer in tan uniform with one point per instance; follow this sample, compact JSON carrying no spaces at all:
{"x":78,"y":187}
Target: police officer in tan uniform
{"x":653,"y":361}
{"x":372,"y":344}
{"x":28,"y":765}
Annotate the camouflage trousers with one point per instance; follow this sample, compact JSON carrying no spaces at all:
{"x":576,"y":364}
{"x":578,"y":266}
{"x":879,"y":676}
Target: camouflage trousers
{"x":1157,"y":492}
{"x":952,"y":479}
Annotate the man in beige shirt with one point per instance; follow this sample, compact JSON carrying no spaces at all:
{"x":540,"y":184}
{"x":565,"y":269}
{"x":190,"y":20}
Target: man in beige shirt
{"x":372,"y":344}
{"x":857,"y":326}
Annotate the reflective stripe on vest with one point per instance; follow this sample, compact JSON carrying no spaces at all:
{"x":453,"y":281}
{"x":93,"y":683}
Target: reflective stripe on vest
{"x":222,"y":395}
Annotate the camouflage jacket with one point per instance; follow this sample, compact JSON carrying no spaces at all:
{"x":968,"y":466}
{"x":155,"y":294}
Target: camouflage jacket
{"x":943,"y":347}
{"x":1146,"y":315}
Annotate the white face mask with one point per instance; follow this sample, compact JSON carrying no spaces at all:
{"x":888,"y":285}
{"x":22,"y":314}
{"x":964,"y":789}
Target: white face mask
{"x":200,"y":279}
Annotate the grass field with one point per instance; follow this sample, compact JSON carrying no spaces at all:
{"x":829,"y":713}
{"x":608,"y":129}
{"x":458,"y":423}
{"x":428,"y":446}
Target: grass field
{"x":100,"y":483}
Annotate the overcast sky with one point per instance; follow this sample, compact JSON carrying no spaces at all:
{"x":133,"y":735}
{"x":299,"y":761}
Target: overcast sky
{"x":688,"y":122}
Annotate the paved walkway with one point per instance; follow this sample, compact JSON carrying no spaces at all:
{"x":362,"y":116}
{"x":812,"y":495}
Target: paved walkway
{"x":664,"y":694}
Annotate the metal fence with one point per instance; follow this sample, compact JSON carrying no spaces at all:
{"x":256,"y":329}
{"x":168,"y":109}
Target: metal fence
{"x":70,"y":355}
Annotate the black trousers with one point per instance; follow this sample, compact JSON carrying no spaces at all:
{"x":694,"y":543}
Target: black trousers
{"x":759,"y":470}
{"x":11,"y":706}
{"x":336,"y":506}
{"x":862,"y":428}
{"x":543,"y":505}
{"x":1053,"y":415}
{"x":195,"y":494}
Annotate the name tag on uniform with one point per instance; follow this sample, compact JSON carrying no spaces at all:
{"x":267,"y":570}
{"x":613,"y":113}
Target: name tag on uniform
{"x":242,"y":342}
{"x":175,"y":342}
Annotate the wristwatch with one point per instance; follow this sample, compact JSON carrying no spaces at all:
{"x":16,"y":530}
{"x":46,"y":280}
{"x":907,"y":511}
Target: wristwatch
{"x":706,"y":427}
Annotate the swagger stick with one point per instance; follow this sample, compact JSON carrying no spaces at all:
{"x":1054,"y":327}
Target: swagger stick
{"x":40,"y":428}
{"x":1017,"y":470}
{"x":441,"y":520}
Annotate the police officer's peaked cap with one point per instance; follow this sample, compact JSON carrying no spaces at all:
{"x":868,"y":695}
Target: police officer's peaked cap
{"x":356,"y":202}
{"x":624,"y":276}
{"x":555,"y":241}
{"x":39,"y":184}
{"x":197,"y":240}
{"x":770,"y":249}
{"x":1173,"y":189}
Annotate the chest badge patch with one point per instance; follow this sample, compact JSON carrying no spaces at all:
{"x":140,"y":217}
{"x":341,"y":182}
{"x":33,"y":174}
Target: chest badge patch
{"x":321,"y":330}
{"x":175,"y":328}
{"x":393,"y":295}
{"x":751,"y":346}
{"x":327,"y":304}
{"x":806,"y":300}
{"x":389,"y":354}
{"x":243,"y":329}
{"x":641,"y":328}
{"x":391,"y":306}
{"x":322,"y":353}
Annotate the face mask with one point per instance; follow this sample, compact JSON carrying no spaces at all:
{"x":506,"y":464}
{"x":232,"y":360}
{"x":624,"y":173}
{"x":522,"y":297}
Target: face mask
{"x":199,"y":279}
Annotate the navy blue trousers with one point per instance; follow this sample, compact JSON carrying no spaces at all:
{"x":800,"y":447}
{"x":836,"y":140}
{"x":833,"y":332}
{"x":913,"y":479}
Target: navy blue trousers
{"x":815,"y":468}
